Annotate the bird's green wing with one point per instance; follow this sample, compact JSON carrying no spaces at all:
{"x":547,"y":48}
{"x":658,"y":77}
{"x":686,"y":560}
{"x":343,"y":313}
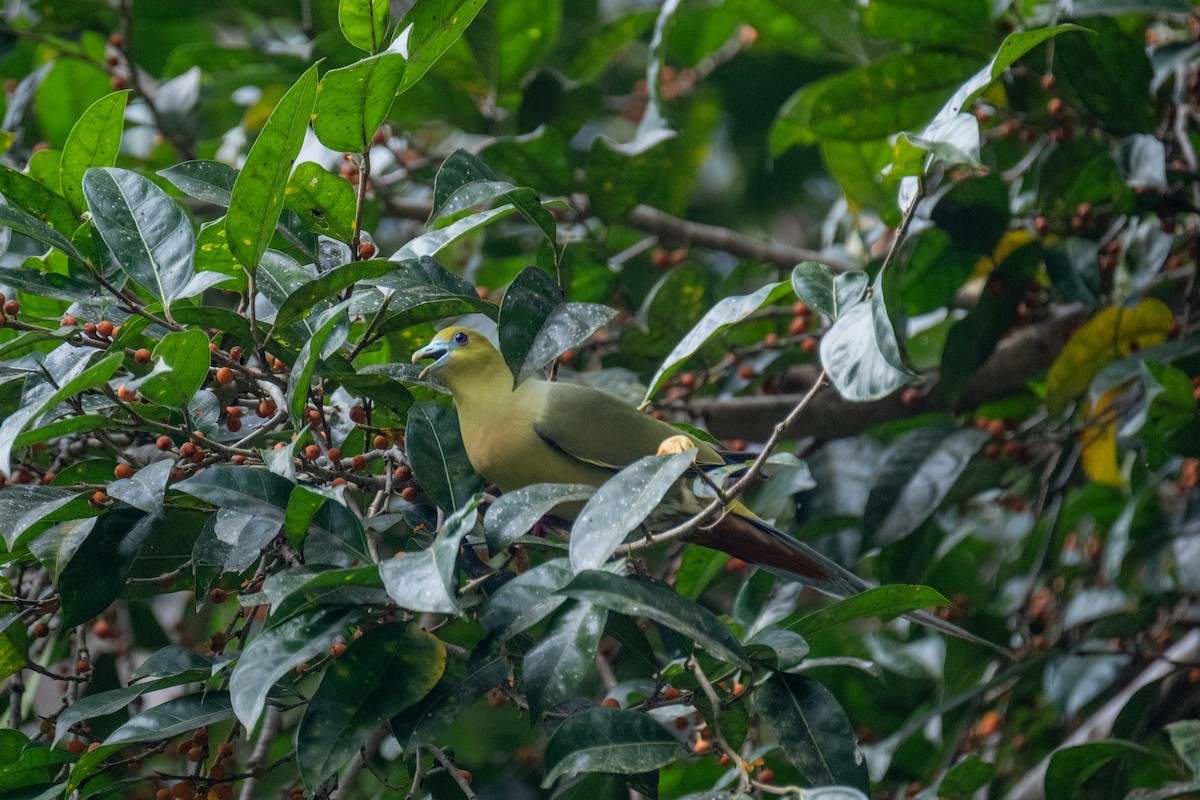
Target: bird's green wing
{"x":599,"y":429}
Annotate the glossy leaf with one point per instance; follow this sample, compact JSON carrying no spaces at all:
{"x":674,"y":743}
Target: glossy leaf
{"x":26,"y":224}
{"x":429,"y":29}
{"x":516,"y":512}
{"x":859,"y":355}
{"x":1070,"y":767}
{"x":1185,"y":738}
{"x":526,"y":600}
{"x":465,"y":181}
{"x":24,"y":506}
{"x":80,"y":376}
{"x":827,"y":292}
{"x":114,"y":700}
{"x":915,"y":476}
{"x":148,"y":233}
{"x":386,"y":670}
{"x":642,"y":598}
{"x":556,"y":665}
{"x":353,"y":101}
{"x":461,"y":684}
{"x":96,"y":573}
{"x":329,"y":332}
{"x":439,"y":461}
{"x":324,"y":202}
{"x":884,"y":602}
{"x":621,"y":505}
{"x":14,"y":644}
{"x":608,"y":740}
{"x":427,"y":580}
{"x":725,"y":313}
{"x":364,"y":23}
{"x":430,"y":244}
{"x":186,"y":354}
{"x":169,"y":719}
{"x":812,"y":729}
{"x":145,"y":489}
{"x":568,"y":326}
{"x":528,"y":302}
{"x":258,"y":192}
{"x":276,"y":651}
{"x":94,"y":142}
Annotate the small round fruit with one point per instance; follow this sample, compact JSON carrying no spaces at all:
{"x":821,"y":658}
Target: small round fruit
{"x":76,"y":747}
{"x":126,"y":394}
{"x":403,"y":474}
{"x":312,"y":452}
{"x":266,"y":409}
{"x":99,"y":497}
{"x":338,"y":650}
{"x":123,"y":471}
{"x":68,"y":322}
{"x":11,"y":307}
{"x":409,"y":494}
{"x":380,"y":442}
{"x":104,"y":328}
{"x":142,"y":356}
{"x":366,"y":250}
{"x":225,"y":376}
{"x":41,"y":630}
{"x":234,"y":424}
{"x":359,"y":462}
{"x":358,"y":414}
{"x":218,"y":596}
{"x":335,"y":454}
{"x":611,"y":702}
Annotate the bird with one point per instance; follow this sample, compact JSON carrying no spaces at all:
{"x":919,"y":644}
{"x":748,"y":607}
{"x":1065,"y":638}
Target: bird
{"x":542,"y":431}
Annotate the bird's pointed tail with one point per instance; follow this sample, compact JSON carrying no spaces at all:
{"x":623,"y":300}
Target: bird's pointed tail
{"x":743,"y":535}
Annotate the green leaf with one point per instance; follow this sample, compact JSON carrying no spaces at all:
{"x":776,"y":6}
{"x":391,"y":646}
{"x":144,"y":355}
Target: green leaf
{"x":1111,"y":74}
{"x":353,"y":101}
{"x":423,"y":291}
{"x":146,"y":488}
{"x":187,"y":355}
{"x":37,"y":199}
{"x":884,"y":602}
{"x":465,"y":181}
{"x":915,"y":476}
{"x":439,"y":460}
{"x":148,"y":233}
{"x":430,"y":244}
{"x":812,"y":729}
{"x":386,"y":670}
{"x":966,"y":778}
{"x":720,"y":317}
{"x":951,"y":23}
{"x":104,"y":703}
{"x":427,"y":580}
{"x":276,"y":651}
{"x":860,"y":351}
{"x":168,"y":720}
{"x":22,"y":507}
{"x":80,"y":376}
{"x":642,"y":598}
{"x":1185,"y":738}
{"x":324,"y":202}
{"x":173,"y":660}
{"x":96,"y":573}
{"x":894,"y":93}
{"x":258,"y":193}
{"x":609,"y":740}
{"x":516,"y":512}
{"x":621,"y":176}
{"x":461,"y":684}
{"x":14,"y":644}
{"x":526,"y":600}
{"x":210,"y":181}
{"x":826,"y":292}
{"x":1070,"y":767}
{"x":621,"y":505}
{"x":28,"y":225}
{"x":428,"y":30}
{"x":555,"y":666}
{"x":300,"y":591}
{"x":528,"y":302}
{"x":241,"y":487}
{"x":94,"y":142}
{"x":329,"y":332}
{"x":302,"y":301}
{"x":364,"y":23}
{"x":973,"y":339}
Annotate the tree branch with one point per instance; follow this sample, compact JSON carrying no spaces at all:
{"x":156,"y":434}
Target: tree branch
{"x":1019,"y":359}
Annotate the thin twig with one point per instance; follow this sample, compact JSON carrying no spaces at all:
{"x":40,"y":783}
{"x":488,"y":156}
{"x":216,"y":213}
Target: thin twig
{"x":693,"y":666}
{"x":455,"y":773}
{"x":699,"y":519}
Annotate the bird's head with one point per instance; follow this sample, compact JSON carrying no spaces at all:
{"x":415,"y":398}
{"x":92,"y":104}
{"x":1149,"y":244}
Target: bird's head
{"x":459,"y":353}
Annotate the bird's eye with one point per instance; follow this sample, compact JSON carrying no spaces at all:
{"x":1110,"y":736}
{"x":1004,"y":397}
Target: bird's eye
{"x":460,"y":338}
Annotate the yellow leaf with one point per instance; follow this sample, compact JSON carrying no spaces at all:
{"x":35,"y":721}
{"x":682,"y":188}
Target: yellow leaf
{"x":1009,"y":243}
{"x":1112,"y":334}
{"x":1099,"y":440}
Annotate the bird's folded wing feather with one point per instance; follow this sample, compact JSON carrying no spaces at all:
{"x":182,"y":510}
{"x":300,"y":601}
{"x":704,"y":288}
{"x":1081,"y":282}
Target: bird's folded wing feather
{"x":594,"y":427}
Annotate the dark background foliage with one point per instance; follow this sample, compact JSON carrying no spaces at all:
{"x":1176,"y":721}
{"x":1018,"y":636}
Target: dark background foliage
{"x":244,"y":552}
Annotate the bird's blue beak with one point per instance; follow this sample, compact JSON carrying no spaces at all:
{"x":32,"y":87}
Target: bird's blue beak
{"x":435,"y":350}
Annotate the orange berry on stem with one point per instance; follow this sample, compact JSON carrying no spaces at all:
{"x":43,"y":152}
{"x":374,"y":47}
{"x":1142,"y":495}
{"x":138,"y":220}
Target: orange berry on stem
{"x":225,"y":376}
{"x":142,"y":356}
{"x":123,"y":471}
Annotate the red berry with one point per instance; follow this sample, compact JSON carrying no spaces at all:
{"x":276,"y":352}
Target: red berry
{"x":312,"y":452}
{"x":359,"y":462}
{"x":358,"y":414}
{"x":104,"y":328}
{"x":218,"y":596}
{"x":338,"y":650}
{"x":11,"y":307}
{"x":123,"y":471}
{"x":67,"y":322}
{"x":142,"y":356}
{"x":164,"y":443}
{"x":366,"y":250}
{"x":225,"y":376}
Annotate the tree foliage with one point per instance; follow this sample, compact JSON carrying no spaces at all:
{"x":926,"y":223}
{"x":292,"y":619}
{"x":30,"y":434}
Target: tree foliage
{"x":244,"y":551}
